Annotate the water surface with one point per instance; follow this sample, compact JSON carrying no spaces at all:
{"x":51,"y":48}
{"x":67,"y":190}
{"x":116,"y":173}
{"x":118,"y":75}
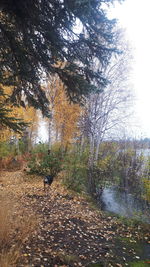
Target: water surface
{"x":125,"y":204}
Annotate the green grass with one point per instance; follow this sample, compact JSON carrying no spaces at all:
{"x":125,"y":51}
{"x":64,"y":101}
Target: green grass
{"x":96,"y":265}
{"x":140,"y":264}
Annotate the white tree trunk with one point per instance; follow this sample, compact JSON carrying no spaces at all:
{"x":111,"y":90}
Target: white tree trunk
{"x":49,"y":134}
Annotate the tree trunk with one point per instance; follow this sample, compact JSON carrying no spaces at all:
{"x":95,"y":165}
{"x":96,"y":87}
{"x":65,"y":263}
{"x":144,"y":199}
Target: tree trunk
{"x":49,"y":134}
{"x":82,"y":145}
{"x":97,"y":150}
{"x":91,"y":182}
{"x":91,"y":179}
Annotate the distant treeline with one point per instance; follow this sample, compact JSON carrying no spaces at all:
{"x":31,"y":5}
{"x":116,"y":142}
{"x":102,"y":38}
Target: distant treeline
{"x":136,"y":143}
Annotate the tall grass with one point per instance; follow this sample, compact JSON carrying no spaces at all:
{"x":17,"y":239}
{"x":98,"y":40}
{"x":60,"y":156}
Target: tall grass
{"x":15,"y":227}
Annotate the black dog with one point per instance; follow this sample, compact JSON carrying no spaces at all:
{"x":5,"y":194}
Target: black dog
{"x":48,"y":180}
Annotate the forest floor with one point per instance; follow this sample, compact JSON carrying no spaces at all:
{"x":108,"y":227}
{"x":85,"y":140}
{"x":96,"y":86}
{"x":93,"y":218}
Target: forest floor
{"x":61,"y":228}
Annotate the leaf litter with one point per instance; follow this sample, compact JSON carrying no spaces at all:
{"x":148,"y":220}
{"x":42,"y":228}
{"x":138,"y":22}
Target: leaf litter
{"x":69,"y":232}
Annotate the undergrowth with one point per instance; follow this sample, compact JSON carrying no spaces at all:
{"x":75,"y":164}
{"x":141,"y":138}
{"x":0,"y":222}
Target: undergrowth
{"x":15,"y":227}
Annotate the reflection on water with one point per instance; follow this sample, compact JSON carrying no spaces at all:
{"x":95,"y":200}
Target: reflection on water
{"x":124,"y":204}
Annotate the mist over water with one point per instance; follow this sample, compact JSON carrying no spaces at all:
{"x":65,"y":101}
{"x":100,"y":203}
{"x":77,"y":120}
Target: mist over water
{"x":124,"y":204}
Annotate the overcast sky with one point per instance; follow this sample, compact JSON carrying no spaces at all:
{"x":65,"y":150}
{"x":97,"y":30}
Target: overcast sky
{"x":134,"y":15}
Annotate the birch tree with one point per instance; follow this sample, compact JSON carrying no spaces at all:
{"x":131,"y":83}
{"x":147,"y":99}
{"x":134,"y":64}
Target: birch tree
{"x":108,"y":110}
{"x":52,"y":88}
{"x":63,"y":116}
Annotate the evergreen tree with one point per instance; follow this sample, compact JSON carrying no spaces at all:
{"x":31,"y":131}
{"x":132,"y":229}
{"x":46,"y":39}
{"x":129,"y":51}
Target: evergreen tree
{"x":37,"y":34}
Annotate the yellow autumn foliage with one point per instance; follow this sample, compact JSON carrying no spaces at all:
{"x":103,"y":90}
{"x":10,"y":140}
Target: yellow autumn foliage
{"x":66,"y":116}
{"x":28,"y":114}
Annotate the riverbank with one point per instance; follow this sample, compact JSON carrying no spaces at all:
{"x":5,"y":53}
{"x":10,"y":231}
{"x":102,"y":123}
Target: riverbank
{"x":66,"y":229}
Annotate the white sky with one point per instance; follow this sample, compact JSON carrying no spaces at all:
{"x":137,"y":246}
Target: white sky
{"x":134,"y":15}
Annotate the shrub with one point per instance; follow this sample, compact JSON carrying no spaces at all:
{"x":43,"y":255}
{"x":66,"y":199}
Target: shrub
{"x":44,"y":164}
{"x":40,"y":148}
{"x":146,"y":189}
{"x":75,"y":167}
{"x":7,"y":149}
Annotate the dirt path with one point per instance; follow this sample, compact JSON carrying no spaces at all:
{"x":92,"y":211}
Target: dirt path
{"x":70,"y":232}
